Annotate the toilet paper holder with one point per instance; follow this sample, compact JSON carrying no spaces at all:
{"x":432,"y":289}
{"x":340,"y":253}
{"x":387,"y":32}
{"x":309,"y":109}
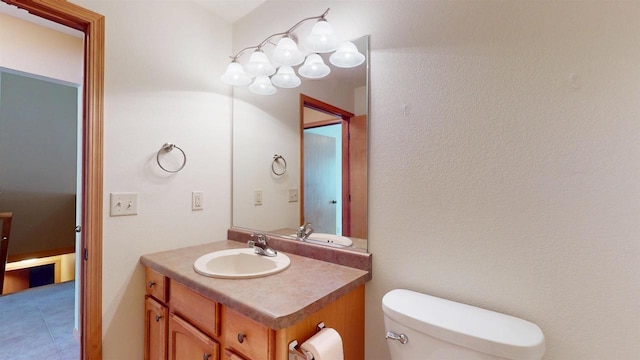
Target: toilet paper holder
{"x":299,"y":354}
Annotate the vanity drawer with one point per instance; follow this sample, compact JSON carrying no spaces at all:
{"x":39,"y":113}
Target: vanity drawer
{"x":196,"y":308}
{"x":156,"y":285}
{"x":247,"y":337}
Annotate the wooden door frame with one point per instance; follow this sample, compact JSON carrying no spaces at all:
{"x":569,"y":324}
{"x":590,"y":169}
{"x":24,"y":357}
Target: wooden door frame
{"x":92,"y":25}
{"x":344,"y":117}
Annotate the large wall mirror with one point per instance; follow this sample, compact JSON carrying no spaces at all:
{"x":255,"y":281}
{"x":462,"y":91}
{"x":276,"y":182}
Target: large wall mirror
{"x":300,"y":156}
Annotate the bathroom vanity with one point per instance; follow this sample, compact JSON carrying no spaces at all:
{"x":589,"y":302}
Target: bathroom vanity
{"x":191,"y":316}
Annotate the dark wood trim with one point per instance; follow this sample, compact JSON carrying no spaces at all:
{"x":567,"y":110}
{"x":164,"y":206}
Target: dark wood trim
{"x":346,"y":180}
{"x":319,"y":105}
{"x":93,"y":25}
{"x":301,"y":146}
{"x":316,"y":124}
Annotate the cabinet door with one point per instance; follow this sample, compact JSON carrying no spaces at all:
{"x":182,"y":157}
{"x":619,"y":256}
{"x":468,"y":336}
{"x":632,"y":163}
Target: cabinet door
{"x":188,"y":343}
{"x":155,"y":332}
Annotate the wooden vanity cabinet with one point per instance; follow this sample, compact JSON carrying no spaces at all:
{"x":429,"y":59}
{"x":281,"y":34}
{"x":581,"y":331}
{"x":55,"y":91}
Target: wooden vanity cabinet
{"x":182,"y":324}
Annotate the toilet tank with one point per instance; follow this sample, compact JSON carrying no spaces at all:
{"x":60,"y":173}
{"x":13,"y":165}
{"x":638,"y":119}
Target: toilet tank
{"x":442,"y":329}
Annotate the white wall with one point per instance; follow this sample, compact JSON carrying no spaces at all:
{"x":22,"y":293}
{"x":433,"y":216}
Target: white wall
{"x":163,"y":61}
{"x":24,"y":44}
{"x":504,"y":161}
{"x":509,"y":132}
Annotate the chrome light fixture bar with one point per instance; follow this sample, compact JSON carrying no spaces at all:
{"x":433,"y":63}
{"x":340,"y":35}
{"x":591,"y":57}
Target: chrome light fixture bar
{"x":263,"y":73}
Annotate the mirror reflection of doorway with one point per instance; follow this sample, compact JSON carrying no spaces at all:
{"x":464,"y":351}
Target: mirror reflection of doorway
{"x":334,"y":169}
{"x":323,"y":178}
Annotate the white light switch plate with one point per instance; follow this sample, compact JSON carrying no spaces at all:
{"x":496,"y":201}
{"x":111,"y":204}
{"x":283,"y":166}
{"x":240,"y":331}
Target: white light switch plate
{"x":257,"y":197}
{"x":196,"y":200}
{"x":293,"y":195}
{"x":124,"y":204}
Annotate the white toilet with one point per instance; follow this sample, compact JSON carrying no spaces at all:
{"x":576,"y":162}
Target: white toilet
{"x":424,"y":327}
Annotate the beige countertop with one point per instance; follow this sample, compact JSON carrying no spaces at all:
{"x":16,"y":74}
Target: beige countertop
{"x":276,"y":301}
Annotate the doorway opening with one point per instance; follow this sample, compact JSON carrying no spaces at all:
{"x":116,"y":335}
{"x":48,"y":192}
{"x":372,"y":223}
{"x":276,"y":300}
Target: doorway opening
{"x":40,"y":142}
{"x":325,"y":175}
{"x":92,"y":25}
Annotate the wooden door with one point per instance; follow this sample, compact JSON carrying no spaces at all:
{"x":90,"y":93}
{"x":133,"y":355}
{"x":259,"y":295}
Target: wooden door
{"x":320,"y":171}
{"x":186,"y":342}
{"x":358,"y":175}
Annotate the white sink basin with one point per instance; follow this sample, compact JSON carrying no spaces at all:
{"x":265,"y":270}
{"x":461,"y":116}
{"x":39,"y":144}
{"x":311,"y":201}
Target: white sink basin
{"x":239,"y":264}
{"x":330,"y":239}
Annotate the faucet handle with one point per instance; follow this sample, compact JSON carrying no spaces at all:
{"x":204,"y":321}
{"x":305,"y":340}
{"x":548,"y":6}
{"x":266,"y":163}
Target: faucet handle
{"x":308,"y":230}
{"x":262,"y":238}
{"x":303,"y":228}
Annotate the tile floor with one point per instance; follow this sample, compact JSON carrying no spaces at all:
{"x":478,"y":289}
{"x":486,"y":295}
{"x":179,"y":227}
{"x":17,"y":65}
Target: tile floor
{"x":38,"y":324}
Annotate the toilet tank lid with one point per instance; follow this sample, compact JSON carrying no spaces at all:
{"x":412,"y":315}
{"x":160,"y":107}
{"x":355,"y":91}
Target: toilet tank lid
{"x":468,"y":326}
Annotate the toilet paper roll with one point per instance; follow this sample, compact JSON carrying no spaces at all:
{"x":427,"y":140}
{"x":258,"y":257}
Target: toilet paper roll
{"x":325,"y":345}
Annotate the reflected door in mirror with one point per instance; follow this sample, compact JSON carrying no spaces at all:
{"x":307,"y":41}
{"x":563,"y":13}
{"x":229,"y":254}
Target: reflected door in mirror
{"x":321,"y":181}
{"x":358,"y":175}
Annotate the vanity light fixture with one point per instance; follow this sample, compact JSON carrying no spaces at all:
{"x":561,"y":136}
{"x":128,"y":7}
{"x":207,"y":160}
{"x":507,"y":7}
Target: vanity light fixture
{"x":260,"y":65}
{"x":286,"y":78}
{"x":235,"y":75}
{"x":287,"y":53}
{"x":260,"y":71}
{"x":314,"y":67}
{"x":347,"y":56}
{"x":262,"y":86}
{"x":322,"y":38}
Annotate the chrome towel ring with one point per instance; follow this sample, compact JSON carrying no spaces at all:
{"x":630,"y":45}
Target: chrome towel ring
{"x":167,"y":147}
{"x":276,"y":160}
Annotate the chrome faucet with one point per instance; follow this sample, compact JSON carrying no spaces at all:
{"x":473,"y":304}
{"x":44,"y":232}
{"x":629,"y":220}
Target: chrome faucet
{"x":304,"y":231}
{"x":262,"y":246}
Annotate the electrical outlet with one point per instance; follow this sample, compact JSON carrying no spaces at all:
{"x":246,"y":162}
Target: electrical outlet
{"x":293,"y":195}
{"x":196,"y":200}
{"x":257,"y":197}
{"x":124,"y":204}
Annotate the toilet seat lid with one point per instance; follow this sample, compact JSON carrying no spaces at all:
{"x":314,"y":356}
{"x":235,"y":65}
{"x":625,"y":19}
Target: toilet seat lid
{"x":465,"y":325}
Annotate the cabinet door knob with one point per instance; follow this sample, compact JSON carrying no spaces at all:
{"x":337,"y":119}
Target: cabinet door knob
{"x":241,"y":337}
{"x":158,"y":317}
{"x":206,"y":356}
{"x":150,"y":284}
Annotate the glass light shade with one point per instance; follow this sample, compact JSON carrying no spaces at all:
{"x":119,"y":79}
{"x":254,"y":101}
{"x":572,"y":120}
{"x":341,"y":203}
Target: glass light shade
{"x":287,"y":53}
{"x":322,"y":39}
{"x":259,"y":65}
{"x":235,"y":75}
{"x":314,"y":67}
{"x":262,"y":86}
{"x":347,"y":56}
{"x":286,"y":78}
